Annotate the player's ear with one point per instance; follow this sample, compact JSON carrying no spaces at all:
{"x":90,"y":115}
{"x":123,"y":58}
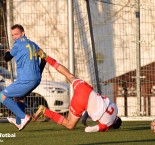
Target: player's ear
{"x":23,"y":33}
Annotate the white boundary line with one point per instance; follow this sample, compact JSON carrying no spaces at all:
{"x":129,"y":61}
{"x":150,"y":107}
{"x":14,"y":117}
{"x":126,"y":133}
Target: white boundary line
{"x":138,"y":118}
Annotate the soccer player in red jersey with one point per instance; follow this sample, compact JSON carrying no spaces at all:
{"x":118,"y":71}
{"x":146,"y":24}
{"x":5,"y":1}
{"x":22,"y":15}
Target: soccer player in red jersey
{"x":99,"y":108}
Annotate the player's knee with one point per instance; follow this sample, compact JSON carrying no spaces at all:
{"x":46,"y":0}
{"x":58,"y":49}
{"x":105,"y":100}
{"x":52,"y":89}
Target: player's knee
{"x":2,"y":97}
{"x":70,"y":127}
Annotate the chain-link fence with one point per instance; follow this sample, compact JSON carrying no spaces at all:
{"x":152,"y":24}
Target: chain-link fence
{"x":113,"y":47}
{"x":124,"y":44}
{"x":45,"y":22}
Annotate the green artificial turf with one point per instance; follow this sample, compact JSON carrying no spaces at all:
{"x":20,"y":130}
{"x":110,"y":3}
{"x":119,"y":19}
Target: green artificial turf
{"x":49,"y":133}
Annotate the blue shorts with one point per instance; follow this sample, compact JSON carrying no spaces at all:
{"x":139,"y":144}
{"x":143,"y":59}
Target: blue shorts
{"x":20,"y":88}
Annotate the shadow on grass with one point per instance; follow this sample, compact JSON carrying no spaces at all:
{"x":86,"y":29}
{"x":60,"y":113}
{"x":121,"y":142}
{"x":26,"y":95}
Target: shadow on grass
{"x":135,"y":128}
{"x":122,"y":142}
{"x":81,"y":129}
{"x":49,"y":129}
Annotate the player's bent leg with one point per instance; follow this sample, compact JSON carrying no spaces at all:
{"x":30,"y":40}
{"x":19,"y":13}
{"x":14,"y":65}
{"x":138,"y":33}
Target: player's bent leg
{"x":42,"y":110}
{"x":70,"y":122}
{"x":9,"y":103}
{"x":12,"y":91}
{"x":54,"y":116}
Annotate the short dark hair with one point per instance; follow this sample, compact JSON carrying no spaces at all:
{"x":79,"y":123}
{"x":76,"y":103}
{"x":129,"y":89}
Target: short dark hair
{"x":117,"y":123}
{"x":20,"y":27}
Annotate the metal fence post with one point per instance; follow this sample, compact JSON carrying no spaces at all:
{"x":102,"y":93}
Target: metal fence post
{"x":71,"y":40}
{"x":138,"y":57}
{"x":93,"y":47}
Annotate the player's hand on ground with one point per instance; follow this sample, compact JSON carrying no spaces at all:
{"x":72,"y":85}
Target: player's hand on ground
{"x":92,"y":128}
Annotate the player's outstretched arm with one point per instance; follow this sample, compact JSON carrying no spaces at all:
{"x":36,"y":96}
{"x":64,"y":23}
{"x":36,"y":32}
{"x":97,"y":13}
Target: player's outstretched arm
{"x":60,"y":68}
{"x":97,"y":128}
{"x":63,"y":70}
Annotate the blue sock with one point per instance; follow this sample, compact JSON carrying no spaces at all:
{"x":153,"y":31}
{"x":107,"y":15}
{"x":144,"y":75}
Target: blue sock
{"x":10,"y":104}
{"x":22,"y":106}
